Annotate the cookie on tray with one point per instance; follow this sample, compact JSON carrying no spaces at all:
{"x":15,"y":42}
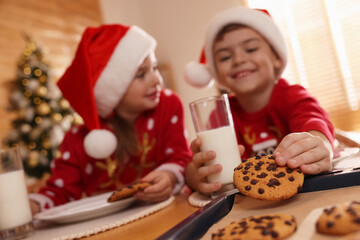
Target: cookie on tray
{"x":260,"y":177}
{"x":340,"y":219}
{"x":127,"y":191}
{"x":272,"y":226}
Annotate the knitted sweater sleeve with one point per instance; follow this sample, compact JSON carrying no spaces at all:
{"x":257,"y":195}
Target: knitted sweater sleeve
{"x":305,"y":113}
{"x":64,"y":185}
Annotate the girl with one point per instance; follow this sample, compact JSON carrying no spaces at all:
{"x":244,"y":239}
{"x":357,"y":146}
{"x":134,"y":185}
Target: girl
{"x":133,"y":130}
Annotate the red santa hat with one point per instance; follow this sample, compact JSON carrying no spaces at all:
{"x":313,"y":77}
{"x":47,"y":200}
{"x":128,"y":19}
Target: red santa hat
{"x":104,"y":65}
{"x":203,"y":73}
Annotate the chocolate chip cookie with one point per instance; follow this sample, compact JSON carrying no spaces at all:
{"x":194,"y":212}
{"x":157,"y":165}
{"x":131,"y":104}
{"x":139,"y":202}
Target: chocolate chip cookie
{"x":273,"y":226}
{"x":127,"y":191}
{"x":340,"y":219}
{"x":260,"y":177}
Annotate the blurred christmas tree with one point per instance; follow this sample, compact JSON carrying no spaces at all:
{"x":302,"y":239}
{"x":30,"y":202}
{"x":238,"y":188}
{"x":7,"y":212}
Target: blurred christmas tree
{"x":43,"y":115}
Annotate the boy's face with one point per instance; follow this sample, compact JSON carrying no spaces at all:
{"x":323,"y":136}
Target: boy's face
{"x":143,"y":92}
{"x":245,"y":62}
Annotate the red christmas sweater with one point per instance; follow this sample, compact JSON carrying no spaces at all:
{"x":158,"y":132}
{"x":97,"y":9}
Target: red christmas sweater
{"x":163,"y":142}
{"x":290,"y":109}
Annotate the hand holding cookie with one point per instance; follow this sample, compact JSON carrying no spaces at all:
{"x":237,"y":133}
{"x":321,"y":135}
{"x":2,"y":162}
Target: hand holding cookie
{"x":127,"y":191}
{"x":163,"y":184}
{"x":310,"y":151}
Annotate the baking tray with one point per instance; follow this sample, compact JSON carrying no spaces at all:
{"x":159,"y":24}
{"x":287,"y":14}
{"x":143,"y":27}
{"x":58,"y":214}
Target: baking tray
{"x":331,"y":180}
{"x":197,"y":224}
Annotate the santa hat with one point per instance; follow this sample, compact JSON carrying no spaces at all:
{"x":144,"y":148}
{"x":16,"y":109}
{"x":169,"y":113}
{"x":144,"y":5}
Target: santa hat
{"x":202,"y":73}
{"x":104,"y":65}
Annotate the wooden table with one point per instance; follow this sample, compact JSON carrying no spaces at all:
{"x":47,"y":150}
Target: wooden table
{"x":152,"y":226}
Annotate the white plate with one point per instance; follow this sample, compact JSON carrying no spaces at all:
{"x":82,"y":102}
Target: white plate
{"x":84,"y":209}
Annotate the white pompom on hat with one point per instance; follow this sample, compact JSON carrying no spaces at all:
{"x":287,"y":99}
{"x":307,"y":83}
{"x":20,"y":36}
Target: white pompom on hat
{"x":203,"y":73}
{"x":104,"y":65}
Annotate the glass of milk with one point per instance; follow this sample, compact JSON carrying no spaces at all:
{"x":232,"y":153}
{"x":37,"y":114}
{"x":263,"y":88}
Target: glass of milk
{"x":15,"y":212}
{"x":214,"y":126}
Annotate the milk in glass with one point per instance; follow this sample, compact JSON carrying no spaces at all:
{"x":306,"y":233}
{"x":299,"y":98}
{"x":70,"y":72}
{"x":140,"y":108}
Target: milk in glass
{"x":223,"y":142}
{"x":14,"y":202}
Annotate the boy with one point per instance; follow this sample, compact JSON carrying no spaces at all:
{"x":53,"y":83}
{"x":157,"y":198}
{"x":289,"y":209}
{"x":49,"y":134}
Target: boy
{"x":246,"y":55}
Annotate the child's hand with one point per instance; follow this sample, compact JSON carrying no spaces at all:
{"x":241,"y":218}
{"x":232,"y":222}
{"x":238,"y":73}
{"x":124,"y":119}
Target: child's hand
{"x":197,"y":172}
{"x":311,"y":151}
{"x":163,"y":183}
{"x":35,"y":207}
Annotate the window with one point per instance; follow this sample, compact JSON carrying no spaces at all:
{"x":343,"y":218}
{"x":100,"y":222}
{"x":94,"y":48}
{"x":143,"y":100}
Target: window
{"x":323,"y":40}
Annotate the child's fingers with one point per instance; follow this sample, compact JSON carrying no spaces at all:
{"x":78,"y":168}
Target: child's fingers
{"x":241,"y":149}
{"x":311,"y":156}
{"x":35,"y":207}
{"x":209,"y":170}
{"x":300,"y":151}
{"x":154,"y":196}
{"x":303,"y":150}
{"x":202,"y":157}
{"x":157,"y":192}
{"x":150,"y":177}
{"x":292,"y":146}
{"x":157,"y":187}
{"x":317,"y":167}
{"x":282,"y":153}
{"x":195,"y":146}
{"x":208,"y":188}
{"x":291,"y":139}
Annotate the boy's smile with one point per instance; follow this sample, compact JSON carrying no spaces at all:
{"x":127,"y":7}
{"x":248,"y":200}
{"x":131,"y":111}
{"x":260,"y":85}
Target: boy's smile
{"x":245,"y":62}
{"x":238,"y":75}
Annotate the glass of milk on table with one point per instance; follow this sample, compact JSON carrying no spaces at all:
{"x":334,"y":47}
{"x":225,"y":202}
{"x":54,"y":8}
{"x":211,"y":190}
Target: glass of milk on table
{"x":214,"y":126}
{"x":15,"y":212}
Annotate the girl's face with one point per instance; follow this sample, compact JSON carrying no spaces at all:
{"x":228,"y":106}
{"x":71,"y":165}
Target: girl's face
{"x":143,"y":92}
{"x":245,"y":62}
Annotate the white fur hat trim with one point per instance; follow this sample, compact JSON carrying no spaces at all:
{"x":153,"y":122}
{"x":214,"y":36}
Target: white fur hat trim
{"x":100,"y":143}
{"x":198,"y":75}
{"x":128,"y":55}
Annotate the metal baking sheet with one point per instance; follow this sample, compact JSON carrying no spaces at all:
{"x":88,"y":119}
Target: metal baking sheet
{"x":331,"y":180}
{"x":196,"y":225}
